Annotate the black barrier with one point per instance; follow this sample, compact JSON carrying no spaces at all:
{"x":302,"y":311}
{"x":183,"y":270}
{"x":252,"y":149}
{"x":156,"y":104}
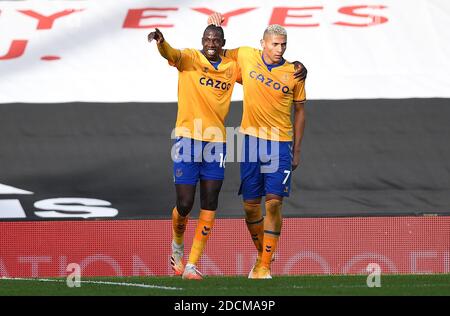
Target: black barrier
{"x":359,"y":157}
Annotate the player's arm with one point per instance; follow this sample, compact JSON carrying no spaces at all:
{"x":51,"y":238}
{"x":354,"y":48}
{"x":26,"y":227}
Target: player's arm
{"x":300,"y":71}
{"x":217,"y":19}
{"x":238,"y":75}
{"x":231,"y":53}
{"x":171,"y":54}
{"x":299,"y":128}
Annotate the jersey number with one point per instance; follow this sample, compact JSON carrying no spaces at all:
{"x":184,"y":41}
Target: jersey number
{"x":287,"y":172}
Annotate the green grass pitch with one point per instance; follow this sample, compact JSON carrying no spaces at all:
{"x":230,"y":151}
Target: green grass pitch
{"x":428,"y":284}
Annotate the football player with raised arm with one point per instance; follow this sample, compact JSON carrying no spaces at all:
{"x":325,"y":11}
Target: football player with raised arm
{"x":205,"y":85}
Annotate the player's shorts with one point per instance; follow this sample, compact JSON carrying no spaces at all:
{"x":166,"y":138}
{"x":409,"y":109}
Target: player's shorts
{"x":266,"y":168}
{"x":195,"y":160}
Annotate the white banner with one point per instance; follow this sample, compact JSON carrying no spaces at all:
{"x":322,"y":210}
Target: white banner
{"x":63,"y":51}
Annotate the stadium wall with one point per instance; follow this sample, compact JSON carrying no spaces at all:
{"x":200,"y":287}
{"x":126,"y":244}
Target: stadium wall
{"x":100,"y":160}
{"x":307,"y":246}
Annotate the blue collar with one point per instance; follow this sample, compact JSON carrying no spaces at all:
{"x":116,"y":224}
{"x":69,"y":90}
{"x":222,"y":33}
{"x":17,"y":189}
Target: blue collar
{"x":269,"y":67}
{"x":216,"y":64}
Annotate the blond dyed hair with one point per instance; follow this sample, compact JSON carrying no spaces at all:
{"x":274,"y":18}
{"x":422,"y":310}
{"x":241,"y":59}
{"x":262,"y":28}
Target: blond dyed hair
{"x":275,"y":29}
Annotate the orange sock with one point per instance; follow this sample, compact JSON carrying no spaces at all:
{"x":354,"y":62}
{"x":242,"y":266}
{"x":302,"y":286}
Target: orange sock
{"x":272,"y":230}
{"x":178,"y":226}
{"x":202,"y":232}
{"x":270,"y":245}
{"x":255,"y":224}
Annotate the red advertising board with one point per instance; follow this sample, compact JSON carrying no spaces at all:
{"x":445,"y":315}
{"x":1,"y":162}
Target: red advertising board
{"x":307,"y":246}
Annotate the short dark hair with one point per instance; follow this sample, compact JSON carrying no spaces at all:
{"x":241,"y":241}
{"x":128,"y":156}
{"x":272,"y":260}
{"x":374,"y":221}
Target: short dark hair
{"x":214,"y":28}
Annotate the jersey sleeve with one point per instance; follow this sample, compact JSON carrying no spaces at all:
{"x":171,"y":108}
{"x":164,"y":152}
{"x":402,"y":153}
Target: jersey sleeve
{"x":176,"y":57}
{"x":239,"y":54}
{"x":232,"y":53}
{"x":238,"y":75}
{"x":299,"y":91}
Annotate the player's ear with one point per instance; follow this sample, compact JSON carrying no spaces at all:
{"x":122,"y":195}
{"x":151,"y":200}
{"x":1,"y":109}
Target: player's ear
{"x":262,"y":43}
{"x":223,"y":43}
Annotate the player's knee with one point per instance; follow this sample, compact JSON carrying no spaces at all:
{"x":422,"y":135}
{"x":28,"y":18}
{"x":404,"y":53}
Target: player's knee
{"x":273,"y":207}
{"x":184,"y":206}
{"x":209,"y":203}
{"x":252,"y":210}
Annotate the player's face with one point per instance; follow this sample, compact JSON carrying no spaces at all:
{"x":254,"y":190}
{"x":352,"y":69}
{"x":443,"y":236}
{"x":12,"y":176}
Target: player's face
{"x":212,"y":44}
{"x":274,"y":47}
